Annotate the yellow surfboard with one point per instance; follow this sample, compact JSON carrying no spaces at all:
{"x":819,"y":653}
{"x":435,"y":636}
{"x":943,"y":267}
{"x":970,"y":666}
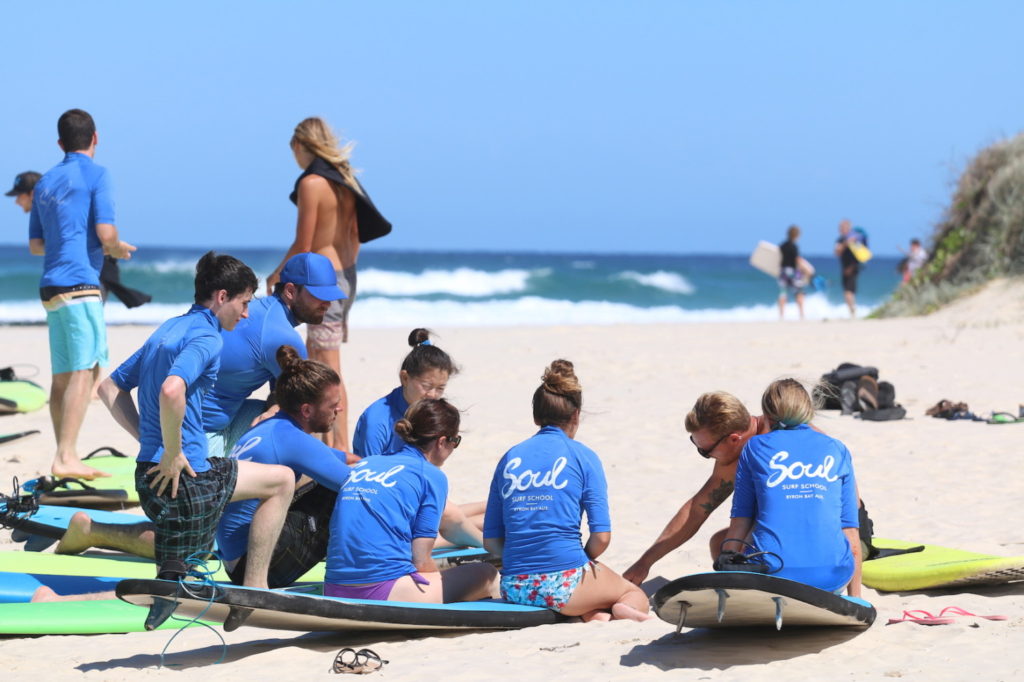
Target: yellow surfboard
{"x":937,"y":567}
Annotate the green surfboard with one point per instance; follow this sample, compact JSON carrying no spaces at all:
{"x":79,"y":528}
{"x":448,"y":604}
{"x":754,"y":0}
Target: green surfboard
{"x":102,"y":616}
{"x":121,"y":481}
{"x":21,"y":396}
{"x":937,"y":567}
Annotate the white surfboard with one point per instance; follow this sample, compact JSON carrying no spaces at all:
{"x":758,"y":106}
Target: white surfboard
{"x":725,"y":599}
{"x":767,"y":258}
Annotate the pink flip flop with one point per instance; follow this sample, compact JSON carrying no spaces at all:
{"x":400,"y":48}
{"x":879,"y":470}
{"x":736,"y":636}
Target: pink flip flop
{"x":921,"y":618}
{"x":957,"y":611}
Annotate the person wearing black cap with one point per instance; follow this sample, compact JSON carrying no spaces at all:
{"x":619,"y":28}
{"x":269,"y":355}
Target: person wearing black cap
{"x":24,"y":184}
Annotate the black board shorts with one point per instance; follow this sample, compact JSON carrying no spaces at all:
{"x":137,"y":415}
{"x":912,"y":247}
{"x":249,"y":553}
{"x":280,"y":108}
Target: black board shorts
{"x":187,"y":524}
{"x":303,"y":540}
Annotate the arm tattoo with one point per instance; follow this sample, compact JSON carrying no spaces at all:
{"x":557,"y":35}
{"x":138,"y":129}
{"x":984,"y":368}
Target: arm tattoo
{"x":718,"y":496}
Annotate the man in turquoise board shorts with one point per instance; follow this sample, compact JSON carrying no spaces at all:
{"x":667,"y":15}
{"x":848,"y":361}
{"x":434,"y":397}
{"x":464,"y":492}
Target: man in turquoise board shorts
{"x":72,"y":227}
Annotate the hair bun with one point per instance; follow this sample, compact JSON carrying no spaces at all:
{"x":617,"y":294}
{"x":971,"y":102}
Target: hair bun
{"x":418,"y":336}
{"x":287,"y":358}
{"x":560,"y":378}
{"x":403,"y":427}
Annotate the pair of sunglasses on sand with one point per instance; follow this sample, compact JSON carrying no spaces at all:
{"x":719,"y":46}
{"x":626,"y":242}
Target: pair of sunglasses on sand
{"x":706,"y":454}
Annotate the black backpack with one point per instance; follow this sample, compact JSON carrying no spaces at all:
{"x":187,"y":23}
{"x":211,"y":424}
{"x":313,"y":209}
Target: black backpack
{"x":827,"y":392}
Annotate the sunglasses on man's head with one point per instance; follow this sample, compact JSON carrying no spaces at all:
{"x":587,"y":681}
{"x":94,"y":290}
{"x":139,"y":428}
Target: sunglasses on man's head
{"x":455,"y":440}
{"x":706,"y":454}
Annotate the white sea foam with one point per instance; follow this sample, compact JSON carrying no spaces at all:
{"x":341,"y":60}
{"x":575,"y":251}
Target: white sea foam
{"x":459,"y":282}
{"x":376,"y":311}
{"x":666,"y":281}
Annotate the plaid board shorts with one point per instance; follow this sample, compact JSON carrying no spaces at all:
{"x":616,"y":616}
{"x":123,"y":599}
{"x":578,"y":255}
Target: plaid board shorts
{"x":188,"y":523}
{"x":547,"y":590}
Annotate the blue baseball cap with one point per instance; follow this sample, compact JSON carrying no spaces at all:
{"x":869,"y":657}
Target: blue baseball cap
{"x":316,"y":273}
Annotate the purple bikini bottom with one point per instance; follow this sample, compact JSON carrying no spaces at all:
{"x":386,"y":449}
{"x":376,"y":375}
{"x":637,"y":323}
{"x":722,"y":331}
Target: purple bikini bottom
{"x":379,"y":591}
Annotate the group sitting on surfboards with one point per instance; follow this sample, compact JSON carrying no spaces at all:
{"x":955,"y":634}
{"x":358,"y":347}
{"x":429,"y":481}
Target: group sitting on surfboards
{"x":377,"y":520}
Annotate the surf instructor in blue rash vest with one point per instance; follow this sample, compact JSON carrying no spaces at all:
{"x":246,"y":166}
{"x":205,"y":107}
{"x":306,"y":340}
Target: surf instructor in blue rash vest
{"x":182,"y":491}
{"x":796,"y":497}
{"x":308,"y":393}
{"x":249,"y":356}
{"x":71,"y":225}
{"x":425,"y":372}
{"x":539,"y":492}
{"x":387,"y":516}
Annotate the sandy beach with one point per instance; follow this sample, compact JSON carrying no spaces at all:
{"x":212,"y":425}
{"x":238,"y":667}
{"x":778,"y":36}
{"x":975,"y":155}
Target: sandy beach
{"x":957,"y":484}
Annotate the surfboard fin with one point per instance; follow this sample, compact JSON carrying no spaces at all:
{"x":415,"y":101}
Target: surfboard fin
{"x":236,"y":618}
{"x":159,"y":611}
{"x":722,"y":596}
{"x":780,"y":603}
{"x":684,"y":607}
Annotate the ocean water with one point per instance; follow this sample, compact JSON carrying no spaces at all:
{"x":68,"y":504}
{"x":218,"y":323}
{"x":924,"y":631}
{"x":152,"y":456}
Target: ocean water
{"x":408,"y":289}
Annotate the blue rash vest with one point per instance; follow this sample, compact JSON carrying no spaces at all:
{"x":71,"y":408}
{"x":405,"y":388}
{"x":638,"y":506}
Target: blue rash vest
{"x":387,"y":502}
{"x":798,"y":486}
{"x":375,"y":430}
{"x":249,"y":358}
{"x":67,"y":203}
{"x":539,"y":492}
{"x":278,"y":440}
{"x":189,"y":347}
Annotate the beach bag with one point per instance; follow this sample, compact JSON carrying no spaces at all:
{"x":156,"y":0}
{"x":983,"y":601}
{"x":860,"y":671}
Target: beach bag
{"x":827,"y":392}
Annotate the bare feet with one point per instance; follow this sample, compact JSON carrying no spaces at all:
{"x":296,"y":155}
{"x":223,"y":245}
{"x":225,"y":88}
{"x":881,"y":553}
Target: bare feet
{"x":72,"y":467}
{"x":622,"y":611}
{"x":75,"y":540}
{"x":44,"y":593}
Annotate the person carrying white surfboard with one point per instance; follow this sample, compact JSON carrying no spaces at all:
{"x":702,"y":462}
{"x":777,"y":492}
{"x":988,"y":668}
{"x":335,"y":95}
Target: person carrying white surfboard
{"x":794,"y":273}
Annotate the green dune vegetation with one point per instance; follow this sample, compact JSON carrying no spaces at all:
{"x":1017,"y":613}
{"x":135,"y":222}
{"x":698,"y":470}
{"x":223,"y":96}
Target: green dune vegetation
{"x":980,"y":237}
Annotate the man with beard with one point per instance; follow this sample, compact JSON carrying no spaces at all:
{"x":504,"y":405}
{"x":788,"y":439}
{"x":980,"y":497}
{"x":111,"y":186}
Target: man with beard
{"x":306,"y":289}
{"x":309,"y":396}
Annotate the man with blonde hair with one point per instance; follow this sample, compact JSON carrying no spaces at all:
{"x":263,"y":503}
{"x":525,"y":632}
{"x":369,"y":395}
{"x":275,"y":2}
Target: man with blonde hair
{"x":719,"y":426}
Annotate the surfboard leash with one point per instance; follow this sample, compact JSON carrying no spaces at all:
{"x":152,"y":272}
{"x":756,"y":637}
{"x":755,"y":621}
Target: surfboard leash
{"x":197,"y":567}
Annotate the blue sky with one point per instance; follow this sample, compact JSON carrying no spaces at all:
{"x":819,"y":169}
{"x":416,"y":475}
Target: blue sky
{"x":677,"y":127}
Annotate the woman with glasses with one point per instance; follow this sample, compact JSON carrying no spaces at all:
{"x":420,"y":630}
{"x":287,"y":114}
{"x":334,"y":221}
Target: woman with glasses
{"x":539,"y":492}
{"x":424,"y":374}
{"x":796,"y":497}
{"x":387,"y":516}
{"x":719,"y":427}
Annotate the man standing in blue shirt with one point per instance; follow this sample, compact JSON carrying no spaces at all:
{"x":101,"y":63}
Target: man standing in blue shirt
{"x":180,"y":489}
{"x":72,"y":226}
{"x":307,"y":287}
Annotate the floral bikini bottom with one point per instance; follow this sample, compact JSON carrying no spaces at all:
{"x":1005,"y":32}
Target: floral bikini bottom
{"x":549,"y":590}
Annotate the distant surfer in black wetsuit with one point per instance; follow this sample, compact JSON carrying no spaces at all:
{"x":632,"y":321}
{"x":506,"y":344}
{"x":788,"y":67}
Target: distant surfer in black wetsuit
{"x":848,"y":264}
{"x":792,"y":278}
{"x":335,"y":216}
